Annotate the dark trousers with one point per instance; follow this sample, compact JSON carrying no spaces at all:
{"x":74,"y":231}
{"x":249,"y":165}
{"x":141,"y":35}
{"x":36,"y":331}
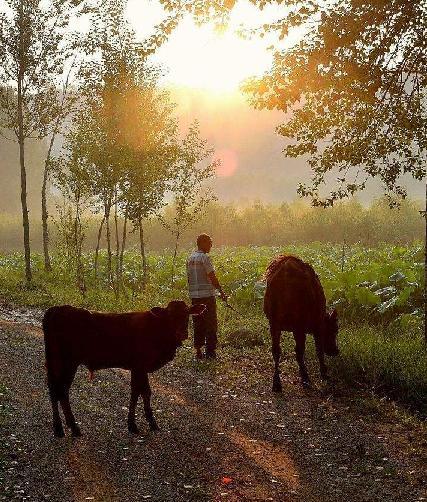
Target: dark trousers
{"x":206,"y":324}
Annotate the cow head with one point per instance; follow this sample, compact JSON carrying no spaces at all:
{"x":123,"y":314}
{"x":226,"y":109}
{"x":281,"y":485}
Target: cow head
{"x":330,"y":332}
{"x":177,"y":314}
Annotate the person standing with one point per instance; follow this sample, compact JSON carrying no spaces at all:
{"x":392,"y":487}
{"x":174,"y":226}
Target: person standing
{"x":202,"y":284}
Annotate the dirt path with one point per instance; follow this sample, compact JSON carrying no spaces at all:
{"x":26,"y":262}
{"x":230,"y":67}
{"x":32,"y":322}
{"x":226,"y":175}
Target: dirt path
{"x":224,"y":436}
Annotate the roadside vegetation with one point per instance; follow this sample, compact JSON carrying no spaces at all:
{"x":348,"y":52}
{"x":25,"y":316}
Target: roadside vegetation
{"x":255,"y":223}
{"x":378,"y":293}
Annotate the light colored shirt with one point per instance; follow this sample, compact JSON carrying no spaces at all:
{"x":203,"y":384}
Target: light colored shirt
{"x":199,"y":265}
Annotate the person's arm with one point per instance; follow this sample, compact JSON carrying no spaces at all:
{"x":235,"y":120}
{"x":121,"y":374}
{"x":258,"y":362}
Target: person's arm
{"x":215,"y":283}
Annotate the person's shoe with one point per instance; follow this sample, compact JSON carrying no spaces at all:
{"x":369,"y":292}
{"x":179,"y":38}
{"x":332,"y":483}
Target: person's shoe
{"x":199,"y":354}
{"x":211,"y":355}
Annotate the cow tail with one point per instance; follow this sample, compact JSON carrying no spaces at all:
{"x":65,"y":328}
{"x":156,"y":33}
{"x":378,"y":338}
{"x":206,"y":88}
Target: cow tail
{"x":52,"y":351}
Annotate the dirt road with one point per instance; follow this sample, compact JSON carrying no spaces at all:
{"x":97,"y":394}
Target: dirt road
{"x":224,"y":436}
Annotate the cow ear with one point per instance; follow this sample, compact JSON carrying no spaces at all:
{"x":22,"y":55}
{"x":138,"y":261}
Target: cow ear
{"x":197,"y":309}
{"x":158,"y":311}
{"x":334,"y":315}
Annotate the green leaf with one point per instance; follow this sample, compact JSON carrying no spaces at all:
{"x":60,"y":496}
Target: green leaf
{"x":404,"y":296}
{"x":366,"y":297}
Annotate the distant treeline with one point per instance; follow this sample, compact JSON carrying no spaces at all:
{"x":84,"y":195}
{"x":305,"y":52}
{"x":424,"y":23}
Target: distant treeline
{"x":259,"y":224}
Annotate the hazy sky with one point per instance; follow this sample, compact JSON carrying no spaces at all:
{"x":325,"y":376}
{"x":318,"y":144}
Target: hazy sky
{"x":199,"y":56}
{"x":205,"y":69}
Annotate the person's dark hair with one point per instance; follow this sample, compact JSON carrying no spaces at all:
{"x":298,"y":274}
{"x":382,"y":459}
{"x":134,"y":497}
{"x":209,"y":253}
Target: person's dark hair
{"x":202,"y":238}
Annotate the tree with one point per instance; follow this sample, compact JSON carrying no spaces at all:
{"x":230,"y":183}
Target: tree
{"x":33,"y":56}
{"x":356,"y":87}
{"x":68,"y":101}
{"x":125,"y":133}
{"x":353,"y":88}
{"x":187,"y":180}
{"x":70,"y":177}
{"x":88,"y":145}
{"x":102,"y":123}
{"x":151,"y":160}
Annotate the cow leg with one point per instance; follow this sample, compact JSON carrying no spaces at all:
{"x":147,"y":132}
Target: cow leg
{"x":58,"y":429}
{"x":69,"y":417}
{"x":299,"y":351}
{"x":65,"y":403}
{"x":146,"y":396}
{"x":135,"y":386}
{"x":276,"y":351}
{"x":321,"y":357}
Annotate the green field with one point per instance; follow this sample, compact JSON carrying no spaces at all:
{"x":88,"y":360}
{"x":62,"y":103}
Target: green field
{"x":378,"y":293}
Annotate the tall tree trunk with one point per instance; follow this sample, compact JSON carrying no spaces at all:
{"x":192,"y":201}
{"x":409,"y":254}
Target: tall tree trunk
{"x":177,"y":236}
{"x":116,"y":228}
{"x":98,"y":241}
{"x":45,"y":215}
{"x":21,"y":141}
{"x":143,"y":256}
{"x":123,"y":247}
{"x":107,"y":226}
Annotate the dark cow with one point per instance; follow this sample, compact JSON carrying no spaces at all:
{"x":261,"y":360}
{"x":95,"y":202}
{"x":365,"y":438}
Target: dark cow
{"x":141,"y":342}
{"x":294,"y":301}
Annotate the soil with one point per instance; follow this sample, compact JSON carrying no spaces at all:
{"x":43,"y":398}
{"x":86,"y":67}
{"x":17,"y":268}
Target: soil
{"x":223,"y":434}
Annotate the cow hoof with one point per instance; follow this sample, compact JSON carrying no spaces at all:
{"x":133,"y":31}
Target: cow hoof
{"x":58,"y":432}
{"x":154,"y":427}
{"x":75,"y":431}
{"x":277,"y":387}
{"x":133,"y":428}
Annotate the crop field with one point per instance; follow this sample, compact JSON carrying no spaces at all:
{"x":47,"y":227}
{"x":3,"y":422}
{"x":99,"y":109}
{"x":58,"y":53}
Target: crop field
{"x":378,"y":293}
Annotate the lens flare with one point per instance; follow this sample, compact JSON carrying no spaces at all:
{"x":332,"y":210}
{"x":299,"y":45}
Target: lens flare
{"x":229,"y":162}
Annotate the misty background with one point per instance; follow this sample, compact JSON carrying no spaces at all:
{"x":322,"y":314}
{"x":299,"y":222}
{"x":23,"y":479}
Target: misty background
{"x":241,"y":135}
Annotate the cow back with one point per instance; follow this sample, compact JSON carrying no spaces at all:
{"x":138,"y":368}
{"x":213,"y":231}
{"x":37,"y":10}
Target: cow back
{"x":107,"y":340}
{"x":294,"y":297}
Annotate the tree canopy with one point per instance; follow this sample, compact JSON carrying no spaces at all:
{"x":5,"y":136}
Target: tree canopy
{"x":353,"y":88}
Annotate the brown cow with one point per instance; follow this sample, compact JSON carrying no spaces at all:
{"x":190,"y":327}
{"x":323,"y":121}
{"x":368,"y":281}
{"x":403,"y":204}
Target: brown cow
{"x":141,"y":342}
{"x":294,"y":301}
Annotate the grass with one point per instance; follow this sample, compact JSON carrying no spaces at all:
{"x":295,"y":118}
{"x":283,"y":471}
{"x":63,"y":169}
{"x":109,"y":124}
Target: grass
{"x":385,"y":353}
{"x":387,"y":361}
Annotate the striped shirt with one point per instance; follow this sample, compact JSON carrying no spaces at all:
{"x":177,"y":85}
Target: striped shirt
{"x":199,"y":265}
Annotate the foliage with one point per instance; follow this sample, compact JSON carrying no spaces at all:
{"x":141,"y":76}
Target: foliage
{"x":354,"y":82}
{"x":380,"y":347}
{"x":34,"y":47}
{"x":358,"y":80}
{"x":382,"y":284}
{"x":76,"y":196}
{"x":187,"y":180}
{"x":389,"y":360}
{"x":123,"y":145}
{"x":34,"y":38}
{"x":188,"y":175}
{"x":347,"y":223}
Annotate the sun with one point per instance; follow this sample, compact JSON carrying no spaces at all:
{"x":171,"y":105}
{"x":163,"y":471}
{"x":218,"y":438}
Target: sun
{"x":200,"y":56}
{"x":219,"y":62}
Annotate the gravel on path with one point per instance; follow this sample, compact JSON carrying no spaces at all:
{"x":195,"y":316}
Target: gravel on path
{"x":224,"y":436}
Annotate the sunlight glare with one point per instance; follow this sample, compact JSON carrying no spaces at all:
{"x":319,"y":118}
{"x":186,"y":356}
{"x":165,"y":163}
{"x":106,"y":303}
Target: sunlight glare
{"x":200,"y":56}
